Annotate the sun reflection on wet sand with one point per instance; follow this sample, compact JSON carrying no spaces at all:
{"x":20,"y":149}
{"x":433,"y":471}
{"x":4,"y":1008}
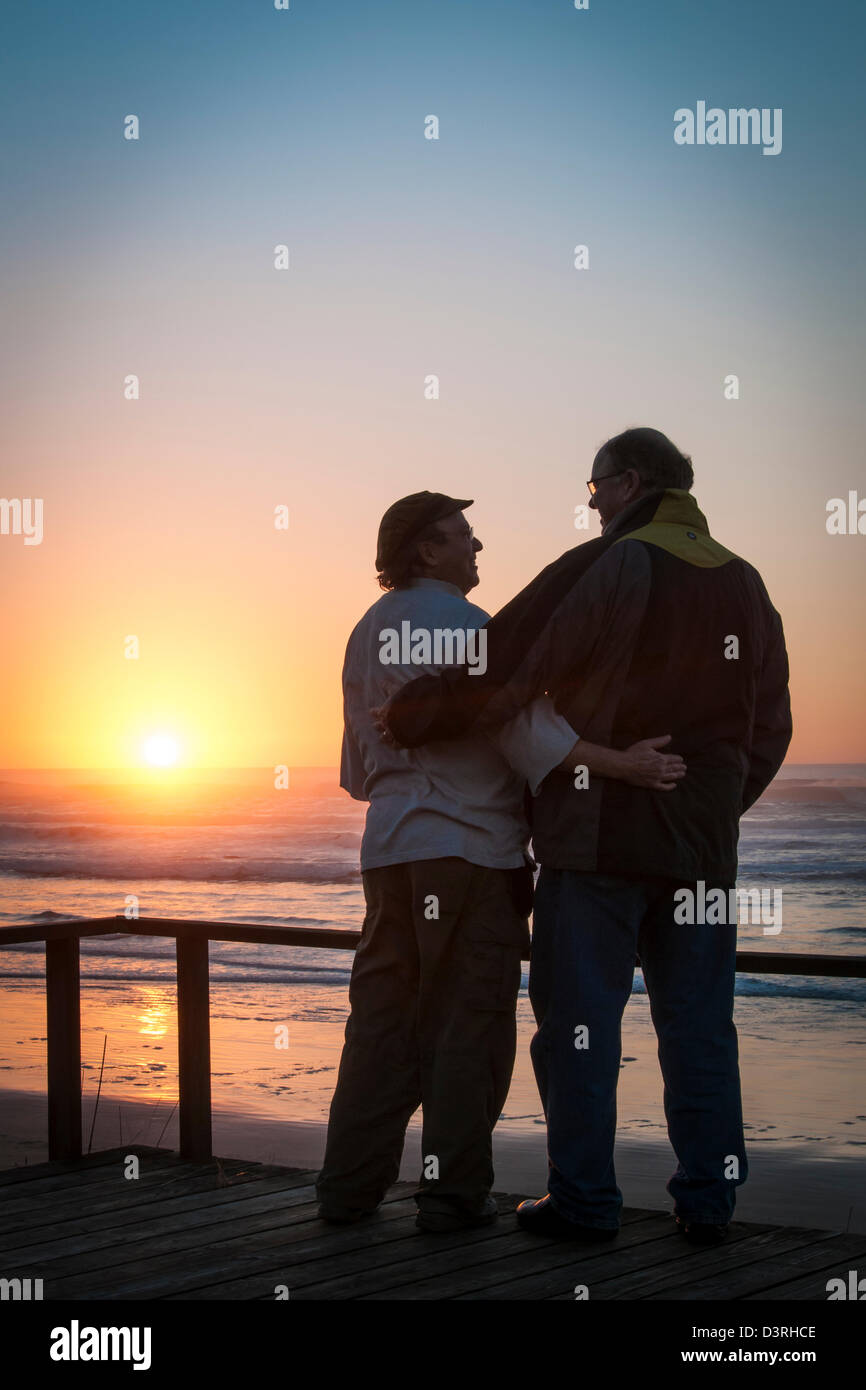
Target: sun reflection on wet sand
{"x":157,"y":1013}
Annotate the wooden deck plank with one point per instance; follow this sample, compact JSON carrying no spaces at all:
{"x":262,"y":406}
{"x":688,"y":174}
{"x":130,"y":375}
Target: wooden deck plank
{"x":596,"y":1266}
{"x":753,"y":1254}
{"x":55,"y":1204}
{"x":299,"y":1257}
{"x":418,"y":1251}
{"x":773,"y":1271}
{"x":230,"y":1230}
{"x":178,"y":1237}
{"x":141,"y":1222}
{"x":676,"y":1263}
{"x":555,"y":1276}
{"x":27,"y":1182}
{"x":394,"y":1222}
{"x":520,"y":1255}
{"x":189,"y":1194}
{"x":19,"y":1199}
{"x":371,"y":1267}
{"x":425,"y":1254}
{"x":812,"y":1286}
{"x":196,"y":1260}
{"x":32,"y":1172}
{"x":115,"y":1192}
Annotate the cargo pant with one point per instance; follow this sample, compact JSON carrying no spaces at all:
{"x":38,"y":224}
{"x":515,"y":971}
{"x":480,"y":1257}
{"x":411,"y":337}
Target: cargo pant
{"x":433,"y":995}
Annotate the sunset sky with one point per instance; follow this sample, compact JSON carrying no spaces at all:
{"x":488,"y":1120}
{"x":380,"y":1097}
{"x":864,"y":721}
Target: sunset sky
{"x":408,"y":257}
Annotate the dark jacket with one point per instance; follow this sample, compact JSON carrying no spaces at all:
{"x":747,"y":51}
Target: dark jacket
{"x":634,"y":634}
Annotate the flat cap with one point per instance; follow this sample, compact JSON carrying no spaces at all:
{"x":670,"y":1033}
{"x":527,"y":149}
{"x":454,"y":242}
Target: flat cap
{"x":405,"y":519}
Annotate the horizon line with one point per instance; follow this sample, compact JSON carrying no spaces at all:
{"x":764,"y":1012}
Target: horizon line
{"x":310,"y":767}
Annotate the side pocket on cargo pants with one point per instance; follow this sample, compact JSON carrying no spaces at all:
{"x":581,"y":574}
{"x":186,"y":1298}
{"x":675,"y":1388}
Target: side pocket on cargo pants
{"x":495,"y":939}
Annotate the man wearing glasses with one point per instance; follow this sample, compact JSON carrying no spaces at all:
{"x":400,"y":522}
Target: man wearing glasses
{"x":653,"y":624}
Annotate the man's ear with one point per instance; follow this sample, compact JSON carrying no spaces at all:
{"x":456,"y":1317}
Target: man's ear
{"x":427,"y":553}
{"x":633,"y":482}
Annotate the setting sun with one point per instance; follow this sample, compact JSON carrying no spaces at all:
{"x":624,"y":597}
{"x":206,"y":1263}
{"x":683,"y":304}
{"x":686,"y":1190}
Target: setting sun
{"x":161,"y":750}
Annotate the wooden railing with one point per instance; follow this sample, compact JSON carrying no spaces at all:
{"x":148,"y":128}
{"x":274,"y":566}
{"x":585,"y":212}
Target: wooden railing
{"x":62,"y":981}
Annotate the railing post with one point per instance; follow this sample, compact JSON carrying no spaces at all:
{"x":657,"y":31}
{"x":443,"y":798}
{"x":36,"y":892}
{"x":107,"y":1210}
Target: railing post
{"x":193,"y":1047}
{"x":64,"y":1047}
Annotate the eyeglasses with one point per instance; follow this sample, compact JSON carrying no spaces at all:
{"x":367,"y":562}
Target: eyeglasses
{"x":592,"y":483}
{"x":463,"y":535}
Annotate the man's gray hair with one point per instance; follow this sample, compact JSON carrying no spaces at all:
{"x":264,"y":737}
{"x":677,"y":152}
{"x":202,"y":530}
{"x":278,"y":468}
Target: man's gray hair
{"x":657,"y":462}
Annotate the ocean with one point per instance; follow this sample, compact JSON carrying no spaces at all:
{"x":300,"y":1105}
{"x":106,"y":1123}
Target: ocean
{"x":227,"y":846}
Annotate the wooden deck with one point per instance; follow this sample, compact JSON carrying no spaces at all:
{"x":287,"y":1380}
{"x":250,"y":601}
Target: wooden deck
{"x":234,"y":1230}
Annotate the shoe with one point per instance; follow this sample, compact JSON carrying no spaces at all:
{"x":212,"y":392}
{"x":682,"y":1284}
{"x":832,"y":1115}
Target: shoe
{"x":542,"y":1219}
{"x":342,"y":1216}
{"x":701,"y":1232}
{"x":457,"y":1218}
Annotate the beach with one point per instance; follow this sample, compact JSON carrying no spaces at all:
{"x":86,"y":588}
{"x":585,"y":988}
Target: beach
{"x":805,"y":1139}
{"x":233,"y":850}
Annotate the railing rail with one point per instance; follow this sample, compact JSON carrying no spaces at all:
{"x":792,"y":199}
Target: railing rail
{"x":63,"y":993}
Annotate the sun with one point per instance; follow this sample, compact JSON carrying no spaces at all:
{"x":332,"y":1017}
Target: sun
{"x":160,"y":750}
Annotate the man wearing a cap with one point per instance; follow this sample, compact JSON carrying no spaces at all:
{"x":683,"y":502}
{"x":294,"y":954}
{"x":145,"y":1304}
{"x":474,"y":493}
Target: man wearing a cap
{"x":651,"y":622}
{"x":447,"y":885}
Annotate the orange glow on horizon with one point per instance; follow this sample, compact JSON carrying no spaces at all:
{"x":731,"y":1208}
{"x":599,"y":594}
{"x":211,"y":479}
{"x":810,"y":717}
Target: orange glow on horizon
{"x":240,"y":664}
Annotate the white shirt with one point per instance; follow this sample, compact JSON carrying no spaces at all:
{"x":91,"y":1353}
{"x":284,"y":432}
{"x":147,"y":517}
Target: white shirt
{"x":461,"y":797}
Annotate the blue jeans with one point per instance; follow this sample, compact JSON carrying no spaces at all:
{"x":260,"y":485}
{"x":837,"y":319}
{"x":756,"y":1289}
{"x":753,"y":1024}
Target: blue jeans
{"x":587,"y":930}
